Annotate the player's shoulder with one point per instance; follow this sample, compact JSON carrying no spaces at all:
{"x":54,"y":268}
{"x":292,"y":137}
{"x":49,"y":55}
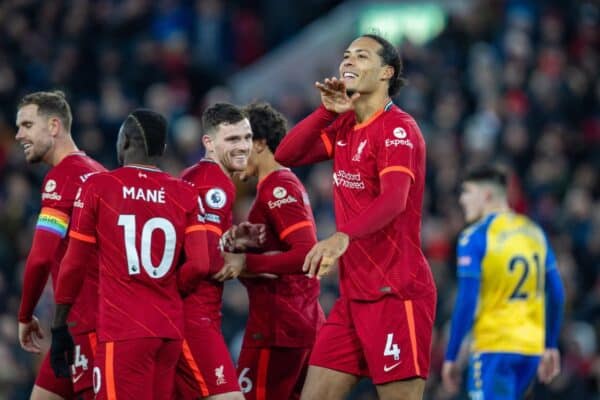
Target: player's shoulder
{"x":72,"y":170}
{"x":476,"y":231}
{"x":283,"y":178}
{"x":282,"y":188}
{"x":512,"y":221}
{"x":207,"y":173}
{"x":399,"y":123}
{"x":79,"y":163}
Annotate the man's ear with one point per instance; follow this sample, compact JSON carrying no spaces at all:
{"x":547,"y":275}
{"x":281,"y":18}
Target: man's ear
{"x":207,"y":141}
{"x":259,"y":145}
{"x":54,"y":126}
{"x":388,"y":72}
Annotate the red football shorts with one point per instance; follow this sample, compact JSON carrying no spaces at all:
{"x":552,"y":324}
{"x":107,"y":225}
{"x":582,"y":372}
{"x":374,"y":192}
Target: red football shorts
{"x":205,"y":367}
{"x":272,"y":373}
{"x":83,"y":366}
{"x":136,"y":369}
{"x":47,"y":380}
{"x":387,"y":340}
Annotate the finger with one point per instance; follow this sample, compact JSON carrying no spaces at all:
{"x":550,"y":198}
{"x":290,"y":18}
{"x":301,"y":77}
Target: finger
{"x":314,"y":264}
{"x":324,"y":88}
{"x":39,"y":332}
{"x":35,"y":342}
{"x":354,"y":96}
{"x":307,"y":260}
{"x":218,"y":276}
{"x":30,"y":347}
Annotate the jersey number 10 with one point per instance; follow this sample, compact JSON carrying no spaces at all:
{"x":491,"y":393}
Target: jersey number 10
{"x":133,"y":258}
{"x":519,"y":293}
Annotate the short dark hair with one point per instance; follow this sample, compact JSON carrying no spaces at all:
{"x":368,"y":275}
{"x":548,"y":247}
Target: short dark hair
{"x":390,"y":56}
{"x":149,"y":129}
{"x":49,"y":104}
{"x":267,"y":123}
{"x":487,"y":174}
{"x":221,"y":113}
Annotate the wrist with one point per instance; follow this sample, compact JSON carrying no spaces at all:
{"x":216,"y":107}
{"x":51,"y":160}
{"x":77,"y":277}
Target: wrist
{"x":326,"y":112}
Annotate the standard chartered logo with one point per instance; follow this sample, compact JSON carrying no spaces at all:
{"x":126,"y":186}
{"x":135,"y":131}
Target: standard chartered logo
{"x":348,"y":180}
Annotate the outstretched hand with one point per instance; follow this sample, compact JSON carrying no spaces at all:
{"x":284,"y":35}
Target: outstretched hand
{"x":325,"y":254}
{"x":241,"y":237}
{"x":334,"y":96}
{"x":233,"y":266}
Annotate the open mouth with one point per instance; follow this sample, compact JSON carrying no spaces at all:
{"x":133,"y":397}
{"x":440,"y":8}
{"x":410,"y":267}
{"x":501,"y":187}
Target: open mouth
{"x":349,"y":76}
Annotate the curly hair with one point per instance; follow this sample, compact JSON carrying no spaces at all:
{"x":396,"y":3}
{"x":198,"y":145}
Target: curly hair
{"x":267,"y":123}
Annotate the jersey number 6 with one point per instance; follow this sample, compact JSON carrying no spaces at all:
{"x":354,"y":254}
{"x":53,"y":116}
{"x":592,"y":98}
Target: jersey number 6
{"x":133,"y":259}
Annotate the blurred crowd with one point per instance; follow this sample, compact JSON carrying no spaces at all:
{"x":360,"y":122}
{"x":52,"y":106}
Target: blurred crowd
{"x":516,"y":82}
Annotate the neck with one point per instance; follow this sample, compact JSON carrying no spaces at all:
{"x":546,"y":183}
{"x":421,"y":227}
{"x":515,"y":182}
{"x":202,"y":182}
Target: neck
{"x":211,"y":156}
{"x":495,"y":207}
{"x":139,"y":160}
{"x":367,"y":105}
{"x":265,"y":167}
{"x":62,"y":148}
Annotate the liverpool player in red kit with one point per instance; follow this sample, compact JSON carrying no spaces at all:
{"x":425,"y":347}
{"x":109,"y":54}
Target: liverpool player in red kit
{"x":206,"y":368}
{"x":284,"y":313}
{"x":44,"y":129}
{"x":141,"y":221}
{"x":381,"y":326}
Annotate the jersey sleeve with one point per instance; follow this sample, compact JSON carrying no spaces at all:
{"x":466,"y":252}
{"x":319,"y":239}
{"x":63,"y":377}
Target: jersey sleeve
{"x":550,"y":257}
{"x":470,"y":250}
{"x":286,"y":208}
{"x":83,"y":221}
{"x":195,"y":247}
{"x":315,"y":135}
{"x":59,"y":191}
{"x":82,"y":234}
{"x":396,"y":147}
{"x":37,"y":269}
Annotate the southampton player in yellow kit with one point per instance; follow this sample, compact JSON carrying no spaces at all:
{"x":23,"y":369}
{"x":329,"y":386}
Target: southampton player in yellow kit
{"x":510,"y":296}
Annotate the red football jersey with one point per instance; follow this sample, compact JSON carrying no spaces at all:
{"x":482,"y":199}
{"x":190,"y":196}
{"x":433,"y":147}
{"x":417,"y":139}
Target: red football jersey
{"x":390,"y":260}
{"x":217,"y":191}
{"x":283,"y":312}
{"x":138,"y":217}
{"x":60,"y":189}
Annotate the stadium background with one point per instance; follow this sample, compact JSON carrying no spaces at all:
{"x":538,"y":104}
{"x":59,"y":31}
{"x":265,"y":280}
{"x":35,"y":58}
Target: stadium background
{"x":512,"y":81}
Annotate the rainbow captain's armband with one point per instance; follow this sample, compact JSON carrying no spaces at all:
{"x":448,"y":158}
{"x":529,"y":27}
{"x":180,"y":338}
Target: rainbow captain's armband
{"x":54,"y":221}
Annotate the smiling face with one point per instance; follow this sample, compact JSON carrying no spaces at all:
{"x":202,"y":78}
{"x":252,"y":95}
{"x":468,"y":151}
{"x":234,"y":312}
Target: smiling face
{"x":362,"y":68}
{"x":35,"y":133}
{"x":230,"y":144}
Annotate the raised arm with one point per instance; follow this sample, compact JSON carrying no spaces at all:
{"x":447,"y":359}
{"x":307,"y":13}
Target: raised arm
{"x":308,"y":142}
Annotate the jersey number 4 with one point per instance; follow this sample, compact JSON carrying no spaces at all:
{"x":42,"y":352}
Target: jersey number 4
{"x":133,"y":257}
{"x":519,"y":293}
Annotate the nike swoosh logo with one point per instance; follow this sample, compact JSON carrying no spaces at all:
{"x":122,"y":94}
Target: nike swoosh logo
{"x":78,"y":377}
{"x":341,"y":143}
{"x":391,"y":367}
